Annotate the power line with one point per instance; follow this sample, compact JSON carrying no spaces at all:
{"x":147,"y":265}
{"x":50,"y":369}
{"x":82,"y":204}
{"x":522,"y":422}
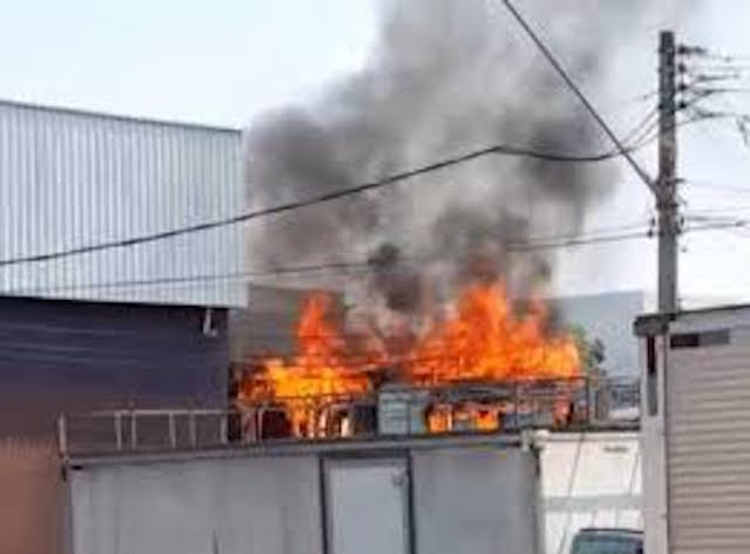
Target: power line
{"x":636,"y":232}
{"x":584,"y":241}
{"x":728,"y":67}
{"x":713,"y":224}
{"x":337,"y":267}
{"x":549,"y":243}
{"x":724,"y":210}
{"x":710,"y":186}
{"x":629,"y":101}
{"x":642,"y":128}
{"x":305,"y":269}
{"x":506,"y":150}
{"x":647,"y":135}
{"x":605,"y":235}
{"x":403,"y":176}
{"x":698,"y":117}
{"x":720,"y":90}
{"x":621,"y":148}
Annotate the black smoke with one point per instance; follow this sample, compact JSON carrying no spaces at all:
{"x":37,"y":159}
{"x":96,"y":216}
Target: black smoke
{"x":445,"y":77}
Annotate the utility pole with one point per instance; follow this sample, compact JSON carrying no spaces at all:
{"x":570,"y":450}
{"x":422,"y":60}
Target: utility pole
{"x":666,"y":184}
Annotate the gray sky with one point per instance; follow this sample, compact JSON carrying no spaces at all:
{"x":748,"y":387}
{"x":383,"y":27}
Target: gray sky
{"x":225,"y":62}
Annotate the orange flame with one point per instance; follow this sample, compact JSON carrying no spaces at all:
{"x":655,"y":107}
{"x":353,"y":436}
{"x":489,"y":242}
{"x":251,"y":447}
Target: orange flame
{"x":485,"y":340}
{"x":319,"y":370}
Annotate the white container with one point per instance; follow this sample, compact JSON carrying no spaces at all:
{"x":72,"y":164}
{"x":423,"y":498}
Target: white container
{"x":696,"y":431}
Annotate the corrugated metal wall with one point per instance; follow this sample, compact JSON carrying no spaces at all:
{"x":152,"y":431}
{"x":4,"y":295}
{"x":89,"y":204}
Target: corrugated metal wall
{"x":69,"y":179}
{"x":708,"y":437}
{"x":69,"y":356}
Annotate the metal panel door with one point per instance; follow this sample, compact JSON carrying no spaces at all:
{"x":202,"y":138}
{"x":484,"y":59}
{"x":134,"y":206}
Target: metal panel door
{"x":367,"y":506}
{"x":708,"y":442}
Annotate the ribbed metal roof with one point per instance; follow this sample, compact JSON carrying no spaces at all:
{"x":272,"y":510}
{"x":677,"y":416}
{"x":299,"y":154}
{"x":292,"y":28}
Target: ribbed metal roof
{"x":119,"y":117}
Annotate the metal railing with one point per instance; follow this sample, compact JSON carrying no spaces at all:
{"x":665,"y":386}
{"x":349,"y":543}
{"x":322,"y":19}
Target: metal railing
{"x":571,"y":404}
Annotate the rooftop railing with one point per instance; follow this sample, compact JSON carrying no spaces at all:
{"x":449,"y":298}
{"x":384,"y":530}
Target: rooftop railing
{"x":567,"y":405}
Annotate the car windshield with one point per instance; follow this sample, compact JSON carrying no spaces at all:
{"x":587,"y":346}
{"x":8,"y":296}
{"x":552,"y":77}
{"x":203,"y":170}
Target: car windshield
{"x":606,"y":545}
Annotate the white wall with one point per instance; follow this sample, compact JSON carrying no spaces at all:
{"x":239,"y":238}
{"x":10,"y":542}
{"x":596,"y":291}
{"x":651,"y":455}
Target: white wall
{"x":267,"y":505}
{"x":466,"y":499}
{"x":476,"y":501}
{"x":589,"y":480}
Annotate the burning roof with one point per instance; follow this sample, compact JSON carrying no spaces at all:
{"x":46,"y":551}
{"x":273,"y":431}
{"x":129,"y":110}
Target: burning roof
{"x":483,"y":340}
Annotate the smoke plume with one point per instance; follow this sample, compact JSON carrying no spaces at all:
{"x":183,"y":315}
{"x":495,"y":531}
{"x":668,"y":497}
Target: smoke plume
{"x":446,"y":77}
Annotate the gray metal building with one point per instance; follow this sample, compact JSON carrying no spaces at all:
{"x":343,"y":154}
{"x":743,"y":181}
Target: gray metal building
{"x":142,"y":324}
{"x":68,"y":356}
{"x":70,"y":179}
{"x":138,"y":323}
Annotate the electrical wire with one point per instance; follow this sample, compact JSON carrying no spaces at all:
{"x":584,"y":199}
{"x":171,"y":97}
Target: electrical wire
{"x":650,"y":134}
{"x":500,"y":149}
{"x":724,"y":210}
{"x":721,"y":90}
{"x":547,"y":53}
{"x":621,"y":150}
{"x":335,"y":267}
{"x":642,"y":128}
{"x":716,"y":225}
{"x":605,"y":235}
{"x":724,"y":70}
{"x":721,"y":57}
{"x":710,"y":186}
{"x":721,"y":67}
{"x":629,"y":102}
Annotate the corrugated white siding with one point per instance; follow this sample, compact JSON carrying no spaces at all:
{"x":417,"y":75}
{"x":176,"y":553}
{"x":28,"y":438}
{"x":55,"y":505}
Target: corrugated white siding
{"x":70,"y":179}
{"x":708,"y":447}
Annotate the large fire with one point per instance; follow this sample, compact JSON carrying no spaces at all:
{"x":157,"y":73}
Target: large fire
{"x":484,"y":340}
{"x":320,"y":370}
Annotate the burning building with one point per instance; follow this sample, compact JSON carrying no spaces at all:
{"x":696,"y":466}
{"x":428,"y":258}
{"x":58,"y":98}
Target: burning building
{"x":447,"y":251}
{"x":433,"y":308}
{"x":477,"y":366}
{"x":435,"y":343}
